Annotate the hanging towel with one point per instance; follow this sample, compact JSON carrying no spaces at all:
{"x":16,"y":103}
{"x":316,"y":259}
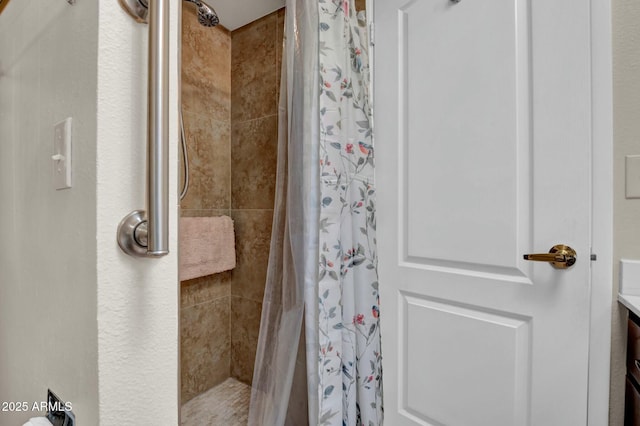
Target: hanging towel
{"x":207,"y":246}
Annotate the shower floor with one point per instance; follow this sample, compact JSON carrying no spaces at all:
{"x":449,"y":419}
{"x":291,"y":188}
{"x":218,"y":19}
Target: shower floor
{"x":226,"y":404}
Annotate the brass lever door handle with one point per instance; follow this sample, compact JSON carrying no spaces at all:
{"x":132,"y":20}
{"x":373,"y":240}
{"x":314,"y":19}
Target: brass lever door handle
{"x":560,"y":256}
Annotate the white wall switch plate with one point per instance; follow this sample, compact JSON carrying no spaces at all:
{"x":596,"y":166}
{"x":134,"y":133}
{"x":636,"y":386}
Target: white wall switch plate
{"x":632,"y":176}
{"x":61,"y":157}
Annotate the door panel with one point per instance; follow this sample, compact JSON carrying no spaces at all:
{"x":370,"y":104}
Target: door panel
{"x":467,"y":94}
{"x":440,"y":371}
{"x":483,"y":154}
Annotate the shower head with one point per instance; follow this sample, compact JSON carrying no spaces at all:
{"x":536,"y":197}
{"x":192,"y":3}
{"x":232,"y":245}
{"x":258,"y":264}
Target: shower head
{"x":139,"y":9}
{"x":207,"y":16}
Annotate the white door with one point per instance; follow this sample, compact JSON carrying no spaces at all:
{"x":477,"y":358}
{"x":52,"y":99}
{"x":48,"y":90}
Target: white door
{"x":483,"y":139}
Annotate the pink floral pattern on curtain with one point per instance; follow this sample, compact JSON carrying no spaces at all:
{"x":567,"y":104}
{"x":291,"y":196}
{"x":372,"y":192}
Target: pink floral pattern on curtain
{"x":350,"y":354}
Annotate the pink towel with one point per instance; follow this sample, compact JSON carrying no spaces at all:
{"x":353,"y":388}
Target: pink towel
{"x":207,"y":246}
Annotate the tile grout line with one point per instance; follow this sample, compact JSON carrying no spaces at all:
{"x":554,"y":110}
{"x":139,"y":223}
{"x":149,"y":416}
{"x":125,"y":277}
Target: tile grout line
{"x":205,"y":302}
{"x":249,"y":299}
{"x":232,"y":139}
{"x":235,"y":123}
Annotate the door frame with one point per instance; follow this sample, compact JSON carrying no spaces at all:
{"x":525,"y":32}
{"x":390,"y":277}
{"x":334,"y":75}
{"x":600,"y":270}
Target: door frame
{"x":602,"y":213}
{"x":601,"y":208}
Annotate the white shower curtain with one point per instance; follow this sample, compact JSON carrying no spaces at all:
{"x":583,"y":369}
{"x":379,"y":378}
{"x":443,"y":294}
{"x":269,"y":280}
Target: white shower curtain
{"x":323,"y":263}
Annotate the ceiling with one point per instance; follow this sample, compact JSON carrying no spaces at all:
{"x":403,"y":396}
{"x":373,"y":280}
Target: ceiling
{"x":236,"y":13}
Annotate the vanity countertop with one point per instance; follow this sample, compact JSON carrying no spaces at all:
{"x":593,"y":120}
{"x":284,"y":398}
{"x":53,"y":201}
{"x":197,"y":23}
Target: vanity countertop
{"x":630,"y":302}
{"x":629,"y":294}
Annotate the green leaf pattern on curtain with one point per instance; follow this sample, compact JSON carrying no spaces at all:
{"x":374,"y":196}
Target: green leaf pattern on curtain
{"x":350,"y":354}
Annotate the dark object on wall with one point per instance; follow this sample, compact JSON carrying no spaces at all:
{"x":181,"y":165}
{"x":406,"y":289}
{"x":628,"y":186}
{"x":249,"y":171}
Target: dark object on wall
{"x":632,"y":393}
{"x":59,"y":412}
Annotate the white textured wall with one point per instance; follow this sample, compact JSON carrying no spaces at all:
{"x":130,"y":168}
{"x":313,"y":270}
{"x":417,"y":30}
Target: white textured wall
{"x":137,"y":298}
{"x":76,"y":314}
{"x":626,"y":101}
{"x":48,"y":327}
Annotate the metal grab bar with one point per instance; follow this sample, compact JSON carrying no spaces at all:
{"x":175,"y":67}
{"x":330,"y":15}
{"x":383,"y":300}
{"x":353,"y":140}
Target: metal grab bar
{"x":140,"y":233}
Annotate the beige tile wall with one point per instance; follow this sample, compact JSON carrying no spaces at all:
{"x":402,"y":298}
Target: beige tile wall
{"x":205,"y":340}
{"x":255,"y":76}
{"x":206,"y":104}
{"x":204,"y":333}
{"x":230,"y":83}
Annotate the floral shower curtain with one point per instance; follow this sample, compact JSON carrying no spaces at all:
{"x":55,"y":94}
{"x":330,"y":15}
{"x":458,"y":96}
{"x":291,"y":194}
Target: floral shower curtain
{"x":349,"y":334}
{"x":319,"y":356}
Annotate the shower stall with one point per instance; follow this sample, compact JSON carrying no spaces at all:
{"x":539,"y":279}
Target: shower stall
{"x":230,"y":118}
{"x":230,"y":101}
{"x":230,"y":85}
